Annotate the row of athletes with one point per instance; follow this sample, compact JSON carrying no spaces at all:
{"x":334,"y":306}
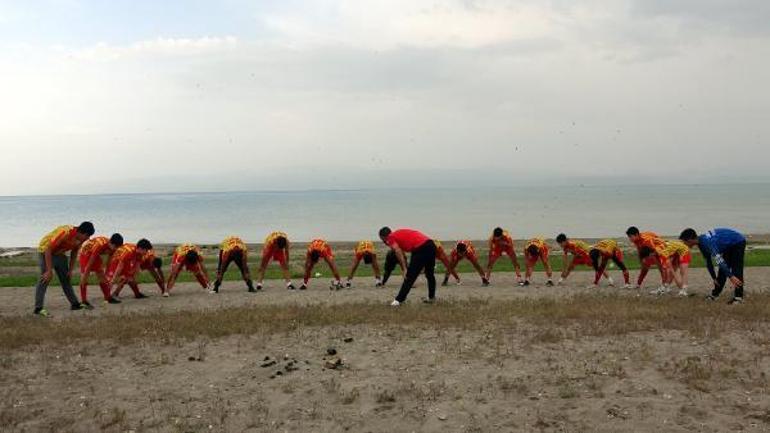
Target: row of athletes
{"x":126,"y":260}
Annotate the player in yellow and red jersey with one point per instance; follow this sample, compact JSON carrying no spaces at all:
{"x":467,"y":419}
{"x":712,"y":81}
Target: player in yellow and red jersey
{"x":123,"y":267}
{"x":674,"y":258}
{"x":154,"y":265}
{"x":320,"y":249}
{"x":91,"y":261}
{"x":233,"y":249}
{"x":276,"y":248}
{"x":189,"y":257}
{"x":364,"y":250}
{"x":501,"y":243}
{"x":603,"y":252}
{"x":464,"y":250}
{"x":536,"y":250}
{"x":444,"y":259}
{"x":580,"y":252}
{"x":652,"y":241}
{"x":53,"y":248}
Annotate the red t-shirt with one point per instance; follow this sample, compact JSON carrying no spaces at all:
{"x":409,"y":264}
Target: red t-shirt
{"x":407,"y":239}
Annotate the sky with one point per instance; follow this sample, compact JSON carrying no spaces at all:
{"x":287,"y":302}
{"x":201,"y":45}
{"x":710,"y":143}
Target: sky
{"x":175,"y":96}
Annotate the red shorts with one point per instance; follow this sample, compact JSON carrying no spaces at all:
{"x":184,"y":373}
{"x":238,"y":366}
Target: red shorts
{"x":684,"y":260}
{"x":274,"y":254}
{"x":498,"y":252}
{"x":619,"y":255}
{"x":127,"y":272}
{"x":582,"y":260}
{"x":325,"y":253}
{"x":97,"y":266}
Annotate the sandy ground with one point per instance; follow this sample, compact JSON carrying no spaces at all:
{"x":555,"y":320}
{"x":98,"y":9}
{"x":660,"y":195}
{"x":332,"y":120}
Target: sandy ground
{"x":393,"y":379}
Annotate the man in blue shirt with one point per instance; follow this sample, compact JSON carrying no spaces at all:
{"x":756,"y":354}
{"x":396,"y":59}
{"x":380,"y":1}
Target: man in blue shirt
{"x":726,"y":248}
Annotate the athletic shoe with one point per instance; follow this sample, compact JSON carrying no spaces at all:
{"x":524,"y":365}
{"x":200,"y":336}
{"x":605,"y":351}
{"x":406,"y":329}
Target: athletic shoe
{"x":213,"y":292}
{"x":140,"y":295}
{"x":628,"y":286}
{"x":611,"y":282}
{"x":116,"y":297}
{"x":683,"y":293}
{"x":166,"y":294}
{"x":251,"y":290}
{"x":42,"y":313}
{"x":395,"y":303}
{"x":113,"y":300}
{"x":662,"y":290}
{"x":711,"y":298}
{"x":735,"y":300}
{"x":549,"y":283}
{"x":428,"y":300}
{"x":302,"y":287}
{"x":335,"y":285}
{"x":87,"y":305}
{"x":76,"y":307}
{"x":259,"y":286}
{"x":485,"y":282}
{"x":348,"y":284}
{"x":525,"y":283}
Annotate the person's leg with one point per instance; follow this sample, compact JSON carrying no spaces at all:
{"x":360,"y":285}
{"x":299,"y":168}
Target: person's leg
{"x":430,"y":268}
{"x":221,"y":269}
{"x":416,"y":264}
{"x":622,"y":266}
{"x":62,"y":267}
{"x":720,"y":284}
{"x":737,"y":254}
{"x":41,"y":287}
{"x":103,"y":284}
{"x":245,"y":274}
{"x":491,"y":264}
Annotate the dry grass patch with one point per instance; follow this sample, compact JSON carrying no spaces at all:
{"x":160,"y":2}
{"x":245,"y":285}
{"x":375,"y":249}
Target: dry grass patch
{"x":557,"y":319}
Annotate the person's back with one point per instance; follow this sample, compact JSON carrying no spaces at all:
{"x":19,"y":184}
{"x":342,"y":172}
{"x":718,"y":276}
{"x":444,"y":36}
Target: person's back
{"x":407,"y":239}
{"x":721,"y":239}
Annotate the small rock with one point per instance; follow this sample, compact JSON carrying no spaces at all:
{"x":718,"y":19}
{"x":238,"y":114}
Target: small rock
{"x":191,"y":358}
{"x":267,"y":358}
{"x":331,"y":351}
{"x":268,"y":364}
{"x":333,"y":364}
{"x":348,"y":340}
{"x":279,"y":373}
{"x":442,"y":417}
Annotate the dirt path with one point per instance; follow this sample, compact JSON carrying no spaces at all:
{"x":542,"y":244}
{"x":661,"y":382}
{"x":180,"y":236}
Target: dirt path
{"x":188,"y":296}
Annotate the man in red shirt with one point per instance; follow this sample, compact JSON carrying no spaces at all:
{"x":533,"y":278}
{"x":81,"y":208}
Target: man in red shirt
{"x":423,"y":257}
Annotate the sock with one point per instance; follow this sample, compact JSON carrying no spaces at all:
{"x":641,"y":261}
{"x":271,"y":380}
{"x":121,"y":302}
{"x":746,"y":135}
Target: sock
{"x":105,"y":290}
{"x":83,"y":293}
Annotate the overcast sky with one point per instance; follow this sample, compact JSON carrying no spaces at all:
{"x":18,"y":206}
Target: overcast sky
{"x":129,"y":95}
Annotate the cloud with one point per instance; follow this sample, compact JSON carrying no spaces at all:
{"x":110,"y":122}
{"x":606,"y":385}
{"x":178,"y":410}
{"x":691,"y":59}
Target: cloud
{"x":163,"y":47}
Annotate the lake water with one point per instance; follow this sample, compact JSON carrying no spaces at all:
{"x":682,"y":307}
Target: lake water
{"x":594,"y":211}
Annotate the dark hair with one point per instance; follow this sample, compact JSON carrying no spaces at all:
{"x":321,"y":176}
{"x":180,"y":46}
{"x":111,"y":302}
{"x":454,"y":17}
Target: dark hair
{"x":191,"y":257}
{"x":86,"y":228}
{"x":533,"y":250}
{"x":116,"y":239}
{"x":281,"y":242}
{"x":645,"y":252}
{"x":561,"y":238}
{"x":368,"y":258}
{"x":594,"y":253}
{"x":157,"y":263}
{"x":497,"y":232}
{"x":688,"y":235}
{"x":461,"y":247}
{"x":314,"y":256}
{"x":632,"y":231}
{"x":385,"y":232}
{"x":144,"y":244}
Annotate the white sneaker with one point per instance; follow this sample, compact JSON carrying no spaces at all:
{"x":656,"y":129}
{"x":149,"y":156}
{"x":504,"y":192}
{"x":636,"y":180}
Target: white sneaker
{"x":611,"y":282}
{"x":212,"y":292}
{"x":683,"y":293}
{"x":166,"y":294}
{"x":628,"y":286}
{"x":662,"y":290}
{"x":395,"y":303}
